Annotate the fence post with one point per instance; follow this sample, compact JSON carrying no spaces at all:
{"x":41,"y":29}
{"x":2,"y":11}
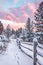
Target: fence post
{"x":19,"y":45}
{"x":17,"y":42}
{"x":35,"y":51}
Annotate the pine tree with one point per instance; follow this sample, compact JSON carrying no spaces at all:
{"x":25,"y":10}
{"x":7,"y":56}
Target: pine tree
{"x":17,"y":33}
{"x":1,"y":27}
{"x":28,"y":24}
{"x":13,"y":31}
{"x":39,"y":24}
{"x":28,"y":29}
{"x":8,"y":31}
{"x":23,"y":34}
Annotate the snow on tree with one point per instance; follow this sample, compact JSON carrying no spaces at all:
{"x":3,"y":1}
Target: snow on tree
{"x":39,"y":24}
{"x":28,"y":24}
{"x":13,"y":31}
{"x":1,"y":27}
{"x":29,"y":31}
{"x":18,"y":32}
{"x":23,"y":35}
{"x":8,"y":31}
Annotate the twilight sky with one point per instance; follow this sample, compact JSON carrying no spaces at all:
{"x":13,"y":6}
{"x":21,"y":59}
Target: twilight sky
{"x":18,"y":10}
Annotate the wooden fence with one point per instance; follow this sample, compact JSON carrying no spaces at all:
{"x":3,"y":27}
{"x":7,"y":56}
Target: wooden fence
{"x":32,"y":49}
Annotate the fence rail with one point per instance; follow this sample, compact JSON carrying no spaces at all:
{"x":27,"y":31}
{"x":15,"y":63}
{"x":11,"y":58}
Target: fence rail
{"x":27,"y":47}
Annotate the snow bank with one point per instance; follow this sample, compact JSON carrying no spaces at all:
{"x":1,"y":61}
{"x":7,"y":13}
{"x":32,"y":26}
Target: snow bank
{"x":25,"y":46}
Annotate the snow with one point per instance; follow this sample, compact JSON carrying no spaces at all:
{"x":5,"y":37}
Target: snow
{"x":28,"y":46}
{"x":39,"y":50}
{"x":3,"y":38}
{"x":12,"y":36}
{"x":28,"y":49}
{"x":40,"y":45}
{"x":40,"y":59}
{"x":14,"y":56}
{"x":1,"y":44}
{"x":28,"y":43}
{"x":35,"y":40}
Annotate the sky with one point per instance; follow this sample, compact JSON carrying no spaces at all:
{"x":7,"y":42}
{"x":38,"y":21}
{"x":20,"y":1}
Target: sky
{"x":18,"y":11}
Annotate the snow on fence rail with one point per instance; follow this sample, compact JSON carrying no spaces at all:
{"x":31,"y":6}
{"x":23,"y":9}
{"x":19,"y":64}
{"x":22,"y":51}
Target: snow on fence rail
{"x":35,"y":51}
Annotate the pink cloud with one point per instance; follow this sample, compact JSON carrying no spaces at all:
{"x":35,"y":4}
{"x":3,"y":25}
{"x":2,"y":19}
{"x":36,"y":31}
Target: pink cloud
{"x":9,"y":16}
{"x":13,"y":16}
{"x":32,"y":7}
{"x":17,"y":25}
{"x":25,"y":15}
{"x":15,"y":10}
{"x":12,"y":24}
{"x":23,"y":7}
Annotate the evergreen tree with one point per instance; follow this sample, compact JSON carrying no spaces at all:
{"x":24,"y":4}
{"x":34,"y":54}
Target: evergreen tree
{"x":13,"y":31}
{"x":8,"y":31}
{"x":1,"y":27}
{"x":39,"y":24}
{"x":28,"y":29}
{"x":28,"y":24}
{"x":23,"y":34}
{"x":18,"y":32}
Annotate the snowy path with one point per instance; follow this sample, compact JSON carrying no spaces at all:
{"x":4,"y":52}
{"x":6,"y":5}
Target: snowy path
{"x":14,"y":56}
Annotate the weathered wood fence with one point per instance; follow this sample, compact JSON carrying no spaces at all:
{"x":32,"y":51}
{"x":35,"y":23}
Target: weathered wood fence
{"x":32,"y":49}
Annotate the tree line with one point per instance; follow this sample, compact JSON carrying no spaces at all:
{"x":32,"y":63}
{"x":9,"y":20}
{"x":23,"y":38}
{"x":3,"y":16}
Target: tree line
{"x":31,"y":29}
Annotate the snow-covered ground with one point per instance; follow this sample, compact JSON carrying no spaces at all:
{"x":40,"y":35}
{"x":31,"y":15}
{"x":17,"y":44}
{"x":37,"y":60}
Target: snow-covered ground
{"x":14,"y":56}
{"x":27,"y":47}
